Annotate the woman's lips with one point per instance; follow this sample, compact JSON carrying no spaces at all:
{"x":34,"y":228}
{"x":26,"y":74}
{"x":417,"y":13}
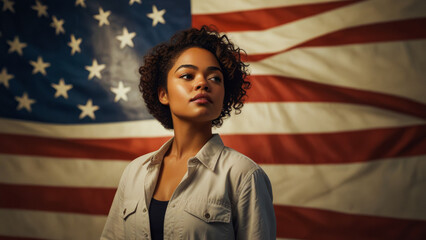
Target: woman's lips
{"x":201,"y":98}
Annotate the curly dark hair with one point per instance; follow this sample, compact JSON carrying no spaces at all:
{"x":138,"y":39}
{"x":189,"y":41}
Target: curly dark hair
{"x":159,"y":61}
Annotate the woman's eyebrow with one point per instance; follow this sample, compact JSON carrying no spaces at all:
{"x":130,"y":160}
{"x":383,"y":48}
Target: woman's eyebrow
{"x":211,"y":68}
{"x":186,"y":66}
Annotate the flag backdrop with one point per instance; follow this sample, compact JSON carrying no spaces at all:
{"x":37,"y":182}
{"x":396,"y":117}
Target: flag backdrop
{"x":336,"y":115}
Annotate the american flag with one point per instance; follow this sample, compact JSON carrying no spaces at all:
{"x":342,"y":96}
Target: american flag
{"x":336,"y":115}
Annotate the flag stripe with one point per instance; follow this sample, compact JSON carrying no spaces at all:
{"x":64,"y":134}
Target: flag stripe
{"x":308,"y":118}
{"x":380,"y":32}
{"x":51,"y":171}
{"x":50,"y":225}
{"x":19,"y":238}
{"x":286,"y":36}
{"x":369,"y":145}
{"x":16,"y":238}
{"x":286,"y":89}
{"x":309,"y":223}
{"x":224,"y":6}
{"x":382,"y":180}
{"x":124,"y":129}
{"x":57,"y":199}
{"x":123,"y":149}
{"x":351,"y":67}
{"x":271,"y":17}
{"x":279,"y":148}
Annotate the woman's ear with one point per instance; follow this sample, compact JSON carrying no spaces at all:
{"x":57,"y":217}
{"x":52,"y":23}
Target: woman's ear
{"x":162,"y":96}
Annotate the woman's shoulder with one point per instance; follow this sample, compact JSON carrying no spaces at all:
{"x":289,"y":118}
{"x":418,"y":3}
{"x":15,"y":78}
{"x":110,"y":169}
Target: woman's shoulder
{"x":236,"y":162}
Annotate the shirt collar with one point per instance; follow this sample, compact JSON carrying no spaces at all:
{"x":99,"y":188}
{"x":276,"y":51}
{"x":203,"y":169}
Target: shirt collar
{"x":208,"y":154}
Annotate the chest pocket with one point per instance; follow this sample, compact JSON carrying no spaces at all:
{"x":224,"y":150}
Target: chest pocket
{"x":129,"y":208}
{"x":209,"y":212}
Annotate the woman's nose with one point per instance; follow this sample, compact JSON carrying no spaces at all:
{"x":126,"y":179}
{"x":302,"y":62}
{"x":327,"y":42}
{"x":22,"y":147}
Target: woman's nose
{"x":201,"y":84}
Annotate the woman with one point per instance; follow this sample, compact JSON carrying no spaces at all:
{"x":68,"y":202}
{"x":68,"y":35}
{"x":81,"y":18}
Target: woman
{"x":193,"y":187}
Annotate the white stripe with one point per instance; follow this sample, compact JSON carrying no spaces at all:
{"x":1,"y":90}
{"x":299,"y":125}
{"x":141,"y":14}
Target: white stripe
{"x":388,"y":188}
{"x":284,"y":118}
{"x":143,"y":128}
{"x":288,"y":35}
{"x":64,"y":172}
{"x":291,"y":118}
{"x":393,"y":68}
{"x":50,"y":225}
{"x":222,"y":6}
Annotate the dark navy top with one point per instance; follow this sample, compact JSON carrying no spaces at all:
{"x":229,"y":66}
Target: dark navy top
{"x":157,"y":210}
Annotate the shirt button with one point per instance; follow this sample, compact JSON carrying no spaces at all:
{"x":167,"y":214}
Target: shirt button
{"x":144,"y":210}
{"x":174,"y":205}
{"x":207,"y":215}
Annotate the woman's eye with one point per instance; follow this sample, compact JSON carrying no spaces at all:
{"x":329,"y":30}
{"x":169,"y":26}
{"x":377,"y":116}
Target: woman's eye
{"x":186,"y":76}
{"x":216,"y":79}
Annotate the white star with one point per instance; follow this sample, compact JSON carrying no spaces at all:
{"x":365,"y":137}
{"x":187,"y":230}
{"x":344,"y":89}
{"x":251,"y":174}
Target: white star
{"x":24,"y":102}
{"x":40,"y":8}
{"x":133,"y":1}
{"x":4,"y":77}
{"x":95,"y":69}
{"x":74,"y":44}
{"x":157,"y":16}
{"x":61,"y":88}
{"x":102,"y":17}
{"x":120,"y":92}
{"x":80,"y":2}
{"x":57,"y":24}
{"x":126,"y":38}
{"x":7,"y":4}
{"x":88,"y":109}
{"x":40,"y":66}
{"x":16,"y":46}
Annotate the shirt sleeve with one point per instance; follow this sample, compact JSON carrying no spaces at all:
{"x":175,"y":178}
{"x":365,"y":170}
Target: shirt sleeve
{"x":114,"y":226}
{"x":255,"y":211}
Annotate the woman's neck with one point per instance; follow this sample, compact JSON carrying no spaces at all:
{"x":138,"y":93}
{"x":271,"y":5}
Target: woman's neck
{"x":189,"y":138}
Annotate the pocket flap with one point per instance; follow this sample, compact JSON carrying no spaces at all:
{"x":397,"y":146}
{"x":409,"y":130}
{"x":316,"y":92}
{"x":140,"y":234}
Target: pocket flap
{"x":209,"y":212}
{"x":129,"y":207}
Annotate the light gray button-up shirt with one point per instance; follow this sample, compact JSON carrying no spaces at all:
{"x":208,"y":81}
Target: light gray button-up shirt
{"x":223,"y":195}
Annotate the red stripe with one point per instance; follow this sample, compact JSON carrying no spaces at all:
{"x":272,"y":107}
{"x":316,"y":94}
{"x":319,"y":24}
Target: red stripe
{"x":409,"y":29}
{"x":286,"y":89}
{"x":276,"y":148}
{"x":57,"y":199}
{"x":17,"y":238}
{"x":117,"y":149}
{"x":260,"y":19}
{"x":309,"y":223}
{"x":332,"y":147}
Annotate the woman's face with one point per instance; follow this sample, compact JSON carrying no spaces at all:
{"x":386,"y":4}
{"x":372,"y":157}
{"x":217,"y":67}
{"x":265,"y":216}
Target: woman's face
{"x":195,"y":89}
